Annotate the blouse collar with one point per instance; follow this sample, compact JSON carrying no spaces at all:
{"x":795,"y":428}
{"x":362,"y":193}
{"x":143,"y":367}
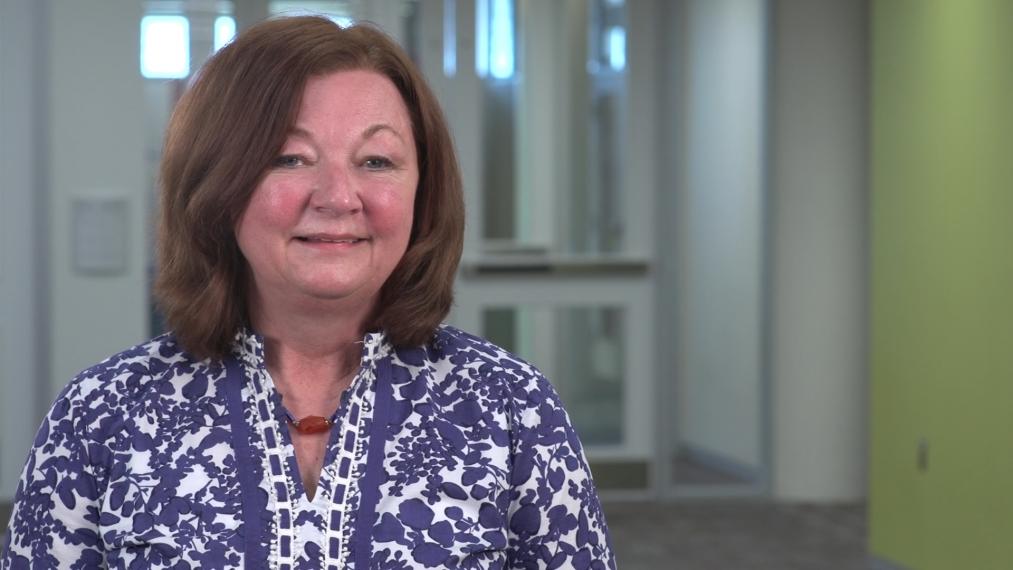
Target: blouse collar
{"x":248,"y":347}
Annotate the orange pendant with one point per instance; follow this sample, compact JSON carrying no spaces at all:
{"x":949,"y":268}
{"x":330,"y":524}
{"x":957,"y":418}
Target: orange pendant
{"x":311,"y":424}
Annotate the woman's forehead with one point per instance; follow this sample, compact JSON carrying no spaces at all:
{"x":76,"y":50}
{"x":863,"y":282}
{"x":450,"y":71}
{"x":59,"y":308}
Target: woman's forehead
{"x":361,"y":101}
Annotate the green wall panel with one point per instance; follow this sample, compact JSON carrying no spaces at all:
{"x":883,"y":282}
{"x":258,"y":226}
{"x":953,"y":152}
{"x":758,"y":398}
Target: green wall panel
{"x":942,"y":283}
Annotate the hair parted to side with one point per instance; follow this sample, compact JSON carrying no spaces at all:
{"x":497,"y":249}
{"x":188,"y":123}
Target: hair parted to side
{"x":225,"y":132}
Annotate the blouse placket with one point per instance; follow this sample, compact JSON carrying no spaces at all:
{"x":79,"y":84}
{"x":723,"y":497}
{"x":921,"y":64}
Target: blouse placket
{"x":336,"y":485}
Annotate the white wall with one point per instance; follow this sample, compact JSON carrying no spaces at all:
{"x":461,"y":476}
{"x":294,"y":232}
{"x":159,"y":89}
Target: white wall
{"x":96,"y":136}
{"x":22,"y":243}
{"x":769,"y":133}
{"x":719,"y":241}
{"x":818,"y":192}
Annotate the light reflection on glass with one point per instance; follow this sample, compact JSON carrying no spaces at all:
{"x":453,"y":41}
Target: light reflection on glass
{"x":449,"y":38}
{"x":494,"y":38}
{"x":225,"y":30}
{"x":581,"y":349}
{"x":617,"y":47}
{"x":336,"y":11}
{"x":165,"y":47}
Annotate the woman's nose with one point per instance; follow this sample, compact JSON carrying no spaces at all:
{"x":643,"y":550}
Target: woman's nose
{"x":335,"y":190}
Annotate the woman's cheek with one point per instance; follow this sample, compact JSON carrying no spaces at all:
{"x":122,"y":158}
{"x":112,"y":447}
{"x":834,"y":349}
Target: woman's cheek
{"x":283,"y":202}
{"x":391,"y":209}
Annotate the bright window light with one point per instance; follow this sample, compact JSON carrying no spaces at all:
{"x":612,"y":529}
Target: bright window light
{"x":482,"y":37}
{"x":225,"y":30}
{"x":449,"y":38}
{"x":165,"y":47}
{"x":335,"y":11}
{"x":617,"y":47}
{"x":501,"y":40}
{"x":494,"y":38}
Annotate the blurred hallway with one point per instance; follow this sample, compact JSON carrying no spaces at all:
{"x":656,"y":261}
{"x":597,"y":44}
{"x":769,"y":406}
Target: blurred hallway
{"x":759,"y":247}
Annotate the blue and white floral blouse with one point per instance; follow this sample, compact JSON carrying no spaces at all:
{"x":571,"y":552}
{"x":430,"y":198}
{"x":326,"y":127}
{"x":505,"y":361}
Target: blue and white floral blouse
{"x":455,"y":455}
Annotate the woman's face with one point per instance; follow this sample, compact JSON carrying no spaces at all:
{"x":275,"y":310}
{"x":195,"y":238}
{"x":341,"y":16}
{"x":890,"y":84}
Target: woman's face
{"x":333,"y":215}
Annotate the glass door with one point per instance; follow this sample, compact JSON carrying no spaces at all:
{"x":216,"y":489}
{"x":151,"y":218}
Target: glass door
{"x":558,"y":256}
{"x":614,"y":185}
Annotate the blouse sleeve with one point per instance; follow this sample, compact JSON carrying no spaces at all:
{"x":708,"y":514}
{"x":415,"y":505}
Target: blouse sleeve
{"x":555,"y":518}
{"x":56,"y":511}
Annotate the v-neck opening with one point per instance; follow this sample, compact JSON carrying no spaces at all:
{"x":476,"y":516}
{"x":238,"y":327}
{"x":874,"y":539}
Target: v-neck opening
{"x":332,"y":513}
{"x":331,"y":448}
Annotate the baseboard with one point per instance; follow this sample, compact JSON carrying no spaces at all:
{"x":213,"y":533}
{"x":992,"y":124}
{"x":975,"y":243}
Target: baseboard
{"x":5,"y":516}
{"x":610,"y":475}
{"x":877,"y":563}
{"x":746,"y":473}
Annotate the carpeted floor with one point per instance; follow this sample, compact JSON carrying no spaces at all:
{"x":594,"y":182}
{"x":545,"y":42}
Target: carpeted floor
{"x":737,"y":535}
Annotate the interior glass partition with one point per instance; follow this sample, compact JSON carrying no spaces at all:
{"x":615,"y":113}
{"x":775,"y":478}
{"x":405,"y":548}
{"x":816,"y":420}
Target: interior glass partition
{"x":556,"y":111}
{"x":553,"y":271}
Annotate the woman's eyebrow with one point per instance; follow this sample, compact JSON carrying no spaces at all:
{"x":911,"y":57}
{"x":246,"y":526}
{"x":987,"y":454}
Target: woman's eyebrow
{"x":370,"y":131}
{"x":300,"y":132}
{"x":373,"y":129}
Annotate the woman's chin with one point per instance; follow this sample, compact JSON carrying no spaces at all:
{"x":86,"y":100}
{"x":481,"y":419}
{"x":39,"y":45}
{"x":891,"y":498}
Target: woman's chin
{"x":338,"y":293}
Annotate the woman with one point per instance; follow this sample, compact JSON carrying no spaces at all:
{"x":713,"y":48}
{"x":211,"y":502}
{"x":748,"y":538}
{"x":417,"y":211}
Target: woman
{"x":308,"y":409}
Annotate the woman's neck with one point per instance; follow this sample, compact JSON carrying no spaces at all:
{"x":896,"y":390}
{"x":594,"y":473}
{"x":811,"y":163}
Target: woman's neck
{"x":312,"y":355}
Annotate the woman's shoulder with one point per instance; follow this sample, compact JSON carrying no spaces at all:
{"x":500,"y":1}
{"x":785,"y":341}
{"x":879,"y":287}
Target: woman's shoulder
{"x":461,"y":348}
{"x":127,"y":379}
{"x":450,"y":339}
{"x":492,"y":378}
{"x":133,"y":370}
{"x":477,"y":364}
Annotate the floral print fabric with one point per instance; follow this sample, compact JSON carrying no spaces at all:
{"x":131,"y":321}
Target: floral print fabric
{"x":452,"y":455}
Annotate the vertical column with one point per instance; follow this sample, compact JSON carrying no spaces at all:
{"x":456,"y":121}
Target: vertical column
{"x":202,"y":14}
{"x":388,"y":14}
{"x":463,"y":107}
{"x":23,"y":381}
{"x":249,"y":12}
{"x":719,"y":218}
{"x":817,"y":220}
{"x":541,"y":122}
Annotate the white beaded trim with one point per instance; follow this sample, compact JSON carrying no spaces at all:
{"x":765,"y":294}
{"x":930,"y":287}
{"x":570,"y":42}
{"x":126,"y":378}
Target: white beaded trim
{"x":361,"y":399}
{"x":361,"y":403}
{"x":269,"y":432}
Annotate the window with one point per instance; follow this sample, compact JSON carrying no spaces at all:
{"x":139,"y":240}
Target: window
{"x":494,"y":38}
{"x":337,"y":11}
{"x":225,"y":30}
{"x":165,"y":47}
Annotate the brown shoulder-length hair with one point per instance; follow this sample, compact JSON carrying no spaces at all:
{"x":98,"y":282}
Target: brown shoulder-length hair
{"x":223,"y":135}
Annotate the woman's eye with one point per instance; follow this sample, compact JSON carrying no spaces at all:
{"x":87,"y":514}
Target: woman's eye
{"x":377,"y":163}
{"x":288,"y":161}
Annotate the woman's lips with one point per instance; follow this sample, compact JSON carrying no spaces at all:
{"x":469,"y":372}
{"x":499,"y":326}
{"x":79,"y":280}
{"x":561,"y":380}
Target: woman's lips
{"x":328,"y":240}
{"x":328,"y":237}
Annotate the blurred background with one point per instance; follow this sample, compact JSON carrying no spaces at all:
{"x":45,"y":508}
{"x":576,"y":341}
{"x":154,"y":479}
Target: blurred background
{"x":761,"y":247}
